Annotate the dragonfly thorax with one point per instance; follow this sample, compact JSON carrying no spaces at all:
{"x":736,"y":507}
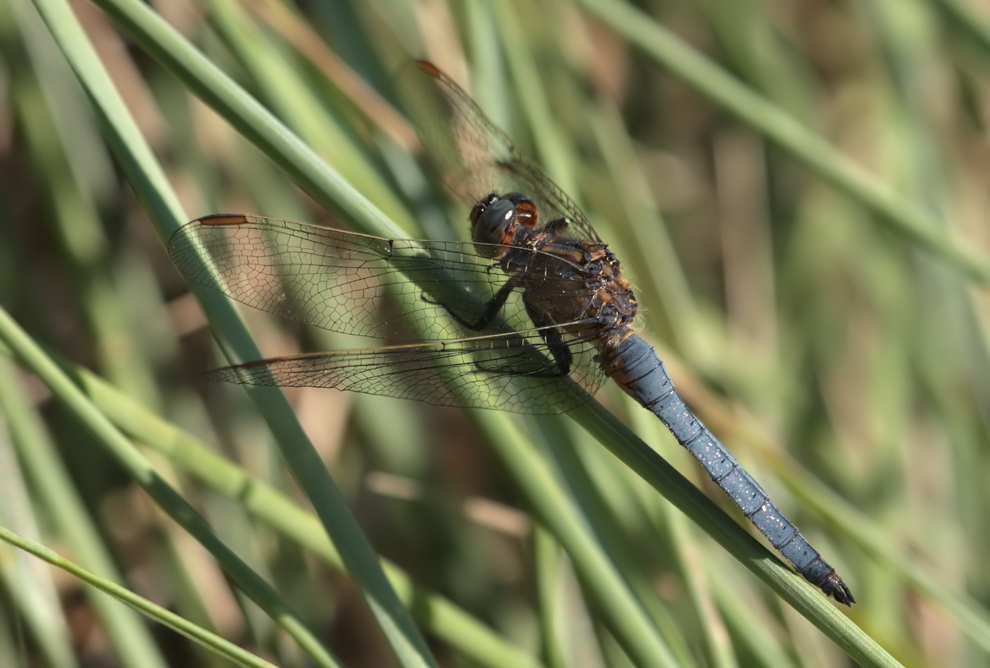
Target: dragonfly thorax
{"x":496,"y":219}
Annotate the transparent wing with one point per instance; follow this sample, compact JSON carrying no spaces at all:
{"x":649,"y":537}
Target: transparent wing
{"x":353,"y":283}
{"x":504,"y":372}
{"x":473,"y":156}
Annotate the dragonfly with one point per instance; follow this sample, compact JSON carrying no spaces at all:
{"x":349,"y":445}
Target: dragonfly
{"x":532,"y":315}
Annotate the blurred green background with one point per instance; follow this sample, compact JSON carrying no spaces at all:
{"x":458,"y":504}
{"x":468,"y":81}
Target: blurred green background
{"x":796,"y":190}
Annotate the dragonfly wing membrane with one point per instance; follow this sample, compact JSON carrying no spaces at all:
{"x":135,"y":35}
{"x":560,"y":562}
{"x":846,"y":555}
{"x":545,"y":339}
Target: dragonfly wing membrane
{"x":503,"y":372}
{"x":339,"y":280}
{"x":474,"y":157}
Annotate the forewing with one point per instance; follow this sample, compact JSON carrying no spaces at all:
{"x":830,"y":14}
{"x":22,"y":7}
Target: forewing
{"x":342,"y":281}
{"x":473,"y":156}
{"x":505,"y":372}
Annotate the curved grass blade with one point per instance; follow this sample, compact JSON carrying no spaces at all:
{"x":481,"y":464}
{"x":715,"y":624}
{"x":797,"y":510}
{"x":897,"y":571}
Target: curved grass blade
{"x":148,"y":179}
{"x":776,"y":125}
{"x":179,"y":624}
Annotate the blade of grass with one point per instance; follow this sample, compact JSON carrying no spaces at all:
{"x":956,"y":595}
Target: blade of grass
{"x":771,"y":121}
{"x":551,"y":502}
{"x":29,"y":589}
{"x":922,"y":164}
{"x":263,"y":501}
{"x":53,"y":485}
{"x":764,"y":646}
{"x":967,"y":614}
{"x":717,"y":644}
{"x":436,"y":613}
{"x":291,"y":97}
{"x":245,"y":114}
{"x":645,"y":239}
{"x":576,"y":471}
{"x":299,"y":33}
{"x":551,"y":149}
{"x":209,"y":640}
{"x":329,"y":189}
{"x":144,"y":474}
{"x":788,"y":584}
{"x":963,"y":20}
{"x":149,"y":182}
{"x":45,"y":97}
{"x":841,"y":515}
{"x":554,"y":624}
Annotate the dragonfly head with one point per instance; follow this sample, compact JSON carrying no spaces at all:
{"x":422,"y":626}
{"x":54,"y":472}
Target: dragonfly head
{"x":495,"y":219}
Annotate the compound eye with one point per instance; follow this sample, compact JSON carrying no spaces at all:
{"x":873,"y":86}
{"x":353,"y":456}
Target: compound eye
{"x":492,"y":221}
{"x":526,"y":214}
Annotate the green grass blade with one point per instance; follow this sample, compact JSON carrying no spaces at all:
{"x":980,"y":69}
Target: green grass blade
{"x":303,"y":165}
{"x":776,"y":125}
{"x":53,"y":485}
{"x":144,"y":474}
{"x":436,"y":613}
{"x":606,"y":584}
{"x":30,"y":591}
{"x":789,"y":585}
{"x":155,"y":193}
{"x":180,"y":624}
{"x":257,"y":127}
{"x":329,"y":189}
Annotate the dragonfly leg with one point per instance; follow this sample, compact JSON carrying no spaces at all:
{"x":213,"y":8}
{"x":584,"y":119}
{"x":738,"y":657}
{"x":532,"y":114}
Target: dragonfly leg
{"x":556,"y":346}
{"x":559,"y":367}
{"x":491,"y":309}
{"x":552,"y":337}
{"x":555,"y":227}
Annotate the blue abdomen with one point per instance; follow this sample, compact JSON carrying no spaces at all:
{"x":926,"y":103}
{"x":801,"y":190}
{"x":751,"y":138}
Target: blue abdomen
{"x":638,"y":370}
